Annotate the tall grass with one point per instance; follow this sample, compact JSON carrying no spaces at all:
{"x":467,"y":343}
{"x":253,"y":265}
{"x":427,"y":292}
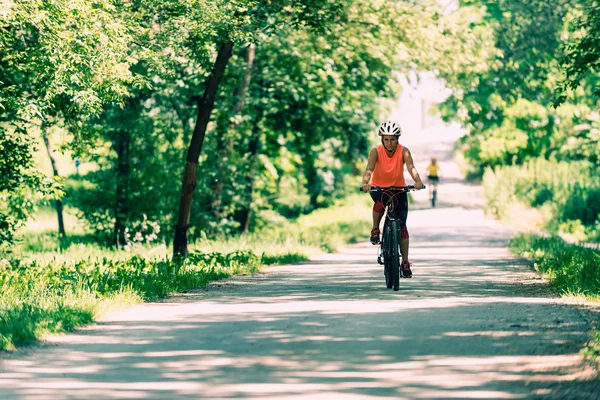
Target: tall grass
{"x":573,"y":269}
{"x":46,"y":289}
{"x":37,"y":298}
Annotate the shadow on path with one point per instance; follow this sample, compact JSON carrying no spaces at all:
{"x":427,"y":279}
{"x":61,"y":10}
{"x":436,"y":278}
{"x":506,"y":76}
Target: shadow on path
{"x":473,"y":323}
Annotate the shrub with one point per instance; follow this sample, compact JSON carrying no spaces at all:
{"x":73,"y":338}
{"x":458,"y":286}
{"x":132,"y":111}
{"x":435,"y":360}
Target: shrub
{"x":571,"y":189}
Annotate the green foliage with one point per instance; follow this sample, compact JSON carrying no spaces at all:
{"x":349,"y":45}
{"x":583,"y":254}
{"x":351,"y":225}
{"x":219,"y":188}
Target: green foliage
{"x":124,"y":80}
{"x":323,"y":230}
{"x":582,"y":52}
{"x":313,"y":100}
{"x":20,"y":185}
{"x":38,"y":298}
{"x":153,"y":138}
{"x":50,"y":291}
{"x":506,"y":104}
{"x":61,"y":55}
{"x":570,"y":189}
{"x":60,"y":61}
{"x":572,"y":269}
{"x":592,"y":351}
{"x":288,"y":258}
{"x":326,"y":229}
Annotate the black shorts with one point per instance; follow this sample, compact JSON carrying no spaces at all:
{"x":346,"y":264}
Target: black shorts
{"x":401,"y":200}
{"x":434,"y":178}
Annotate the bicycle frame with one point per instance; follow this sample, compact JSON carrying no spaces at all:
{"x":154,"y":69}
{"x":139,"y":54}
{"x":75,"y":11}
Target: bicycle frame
{"x":389,"y":249}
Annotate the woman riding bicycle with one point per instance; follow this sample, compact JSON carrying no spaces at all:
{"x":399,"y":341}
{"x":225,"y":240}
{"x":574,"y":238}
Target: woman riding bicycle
{"x":386,"y":167}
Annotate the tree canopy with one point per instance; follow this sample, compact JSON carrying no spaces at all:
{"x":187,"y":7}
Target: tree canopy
{"x":266,"y":108}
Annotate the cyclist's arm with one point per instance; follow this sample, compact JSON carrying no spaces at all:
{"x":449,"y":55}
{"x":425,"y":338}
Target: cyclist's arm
{"x":369,"y":171}
{"x":410,"y":166}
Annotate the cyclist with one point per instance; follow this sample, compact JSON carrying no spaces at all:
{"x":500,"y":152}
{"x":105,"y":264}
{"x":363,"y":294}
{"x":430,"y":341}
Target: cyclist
{"x":433,"y":177}
{"x":386,"y":168}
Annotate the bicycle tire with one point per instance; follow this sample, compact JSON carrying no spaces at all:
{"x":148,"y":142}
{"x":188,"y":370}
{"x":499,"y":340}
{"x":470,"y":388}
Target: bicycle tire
{"x":433,"y":198}
{"x":395,"y":256}
{"x":387,"y":259}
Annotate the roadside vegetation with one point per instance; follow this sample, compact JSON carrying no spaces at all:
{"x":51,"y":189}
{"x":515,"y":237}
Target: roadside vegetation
{"x":47,"y":291}
{"x":571,"y":268}
{"x":531,"y":110}
{"x":566,"y":196}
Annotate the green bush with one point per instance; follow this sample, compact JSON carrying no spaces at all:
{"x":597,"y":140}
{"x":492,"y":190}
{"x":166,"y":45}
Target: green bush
{"x":571,"y":268}
{"x":571,"y":189}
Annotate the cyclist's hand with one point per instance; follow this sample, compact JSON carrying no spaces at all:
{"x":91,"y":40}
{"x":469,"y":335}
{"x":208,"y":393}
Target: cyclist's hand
{"x":419,"y":185}
{"x":365,"y":187}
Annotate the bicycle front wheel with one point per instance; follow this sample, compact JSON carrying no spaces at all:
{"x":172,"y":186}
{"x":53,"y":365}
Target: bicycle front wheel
{"x":395,"y":253}
{"x":387,"y":256}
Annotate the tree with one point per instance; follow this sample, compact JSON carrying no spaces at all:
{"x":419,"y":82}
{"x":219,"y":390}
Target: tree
{"x":244,"y":20}
{"x":326,"y":87}
{"x":58,"y":58}
{"x":582,"y":54}
{"x":57,"y":201}
{"x":18,"y":181}
{"x":504,"y":96}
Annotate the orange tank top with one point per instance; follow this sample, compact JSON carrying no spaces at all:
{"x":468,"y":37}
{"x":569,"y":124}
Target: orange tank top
{"x":389,"y":171}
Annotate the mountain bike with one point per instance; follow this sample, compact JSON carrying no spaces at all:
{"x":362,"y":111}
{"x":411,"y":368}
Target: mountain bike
{"x":389,"y":248}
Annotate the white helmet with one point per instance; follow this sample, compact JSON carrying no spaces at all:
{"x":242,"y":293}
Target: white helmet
{"x":390,"y":129}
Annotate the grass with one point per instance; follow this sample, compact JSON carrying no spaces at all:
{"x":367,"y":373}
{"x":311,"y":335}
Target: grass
{"x":39,"y":297}
{"x":573,"y":269}
{"x":49,"y":286}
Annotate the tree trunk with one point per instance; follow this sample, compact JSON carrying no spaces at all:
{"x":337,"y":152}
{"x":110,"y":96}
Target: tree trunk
{"x":245,"y":214}
{"x":240,"y":95}
{"x":57,"y":203}
{"x":205,"y":107}
{"x":310,"y":173}
{"x":226,"y":142}
{"x":122,"y":193}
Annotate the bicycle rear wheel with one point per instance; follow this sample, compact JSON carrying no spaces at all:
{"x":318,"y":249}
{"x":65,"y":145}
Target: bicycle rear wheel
{"x":395,"y":253}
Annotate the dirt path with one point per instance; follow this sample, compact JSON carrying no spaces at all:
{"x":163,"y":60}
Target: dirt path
{"x":474,"y":322}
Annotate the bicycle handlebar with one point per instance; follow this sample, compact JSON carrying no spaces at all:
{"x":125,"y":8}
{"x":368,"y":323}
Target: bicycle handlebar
{"x":407,"y":188}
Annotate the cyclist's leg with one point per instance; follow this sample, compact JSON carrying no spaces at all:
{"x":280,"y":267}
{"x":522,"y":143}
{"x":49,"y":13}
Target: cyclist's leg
{"x":378,"y":210}
{"x":404,"y":238}
{"x":403,"y":214}
{"x":435,"y":183}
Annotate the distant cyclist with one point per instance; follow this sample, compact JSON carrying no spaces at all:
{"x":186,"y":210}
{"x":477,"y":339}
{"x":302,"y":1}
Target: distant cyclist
{"x":386,"y":167}
{"x":433,"y":177}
